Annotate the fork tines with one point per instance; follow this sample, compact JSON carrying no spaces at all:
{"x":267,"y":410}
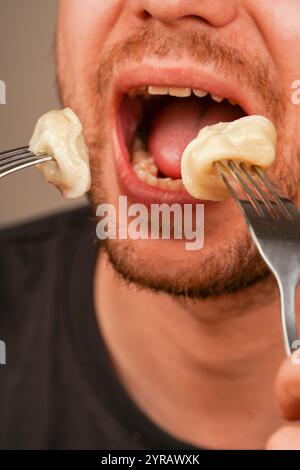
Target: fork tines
{"x":19,"y":158}
{"x":257,"y":188}
{"x":15,"y":151}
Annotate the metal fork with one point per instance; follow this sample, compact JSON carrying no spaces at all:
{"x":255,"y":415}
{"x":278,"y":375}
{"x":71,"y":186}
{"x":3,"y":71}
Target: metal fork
{"x":19,"y":158}
{"x":274,"y":224}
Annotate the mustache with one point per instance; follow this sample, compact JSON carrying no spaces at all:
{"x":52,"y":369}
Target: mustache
{"x":200,"y":47}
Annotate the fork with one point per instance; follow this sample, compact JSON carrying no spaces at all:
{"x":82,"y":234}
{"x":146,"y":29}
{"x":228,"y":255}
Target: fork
{"x":19,"y":158}
{"x":274,"y":225}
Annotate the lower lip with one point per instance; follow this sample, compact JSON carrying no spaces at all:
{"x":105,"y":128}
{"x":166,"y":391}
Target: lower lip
{"x":136,"y":189}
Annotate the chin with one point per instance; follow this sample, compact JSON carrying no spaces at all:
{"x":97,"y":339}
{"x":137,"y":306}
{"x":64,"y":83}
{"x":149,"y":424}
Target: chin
{"x":227,"y":262}
{"x":159,"y":267}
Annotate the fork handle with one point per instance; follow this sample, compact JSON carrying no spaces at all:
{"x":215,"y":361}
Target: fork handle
{"x":287,"y":291}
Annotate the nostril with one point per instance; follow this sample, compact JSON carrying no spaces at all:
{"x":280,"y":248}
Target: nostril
{"x":197,"y":18}
{"x":144,"y":15}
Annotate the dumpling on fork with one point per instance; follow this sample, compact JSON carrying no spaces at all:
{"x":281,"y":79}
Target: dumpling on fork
{"x":59,"y":133}
{"x":251,"y":139}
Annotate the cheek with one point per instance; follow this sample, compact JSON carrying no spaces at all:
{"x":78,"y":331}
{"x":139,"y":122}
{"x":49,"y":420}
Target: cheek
{"x":278,"y":22}
{"x":285,"y":18}
{"x":82,"y":30}
{"x":286,"y":38}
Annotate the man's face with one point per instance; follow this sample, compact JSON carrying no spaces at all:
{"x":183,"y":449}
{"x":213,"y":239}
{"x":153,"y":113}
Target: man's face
{"x":110,"y":52}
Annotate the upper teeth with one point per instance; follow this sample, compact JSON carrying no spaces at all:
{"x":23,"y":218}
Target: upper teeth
{"x":200,"y":93}
{"x":158,"y":90}
{"x":217,"y":98}
{"x":183,"y":92}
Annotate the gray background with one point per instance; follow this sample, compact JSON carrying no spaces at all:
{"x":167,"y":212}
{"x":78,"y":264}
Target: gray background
{"x":27,"y":35}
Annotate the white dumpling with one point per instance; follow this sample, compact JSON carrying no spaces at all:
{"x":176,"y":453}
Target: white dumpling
{"x":251,"y":139}
{"x":59,"y":133}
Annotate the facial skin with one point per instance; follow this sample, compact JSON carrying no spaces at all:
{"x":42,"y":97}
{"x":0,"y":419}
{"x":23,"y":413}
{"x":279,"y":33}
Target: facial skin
{"x":248,"y":50}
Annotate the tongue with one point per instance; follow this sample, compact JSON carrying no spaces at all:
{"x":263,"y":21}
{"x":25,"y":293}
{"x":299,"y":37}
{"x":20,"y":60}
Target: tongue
{"x":179,"y":122}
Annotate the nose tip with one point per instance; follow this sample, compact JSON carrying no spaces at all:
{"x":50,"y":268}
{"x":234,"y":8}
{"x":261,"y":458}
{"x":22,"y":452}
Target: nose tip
{"x":167,"y":11}
{"x":215,"y":12}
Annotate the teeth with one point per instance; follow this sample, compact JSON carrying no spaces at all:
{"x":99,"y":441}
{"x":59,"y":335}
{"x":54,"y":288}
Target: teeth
{"x":234,"y":103}
{"x":158,"y":90}
{"x":177,"y":184}
{"x":140,"y":173}
{"x":145,"y":164}
{"x":216,"y":98}
{"x":199,"y":93}
{"x":146,"y":170}
{"x":153,"y":169}
{"x":180,"y":92}
{"x":150,"y":179}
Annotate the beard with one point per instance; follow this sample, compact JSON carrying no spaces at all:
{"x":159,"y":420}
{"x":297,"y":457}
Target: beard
{"x":231,"y":263}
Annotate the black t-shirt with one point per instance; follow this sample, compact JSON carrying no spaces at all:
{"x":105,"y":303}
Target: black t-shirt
{"x":58,"y":388}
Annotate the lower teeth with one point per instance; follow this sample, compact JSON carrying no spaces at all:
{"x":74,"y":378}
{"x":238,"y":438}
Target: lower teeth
{"x":146,"y":170}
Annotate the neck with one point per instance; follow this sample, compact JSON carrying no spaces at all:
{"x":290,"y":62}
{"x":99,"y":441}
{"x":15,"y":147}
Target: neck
{"x":196,"y":368}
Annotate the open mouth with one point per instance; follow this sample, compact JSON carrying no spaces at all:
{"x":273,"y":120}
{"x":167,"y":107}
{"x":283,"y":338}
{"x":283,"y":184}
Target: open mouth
{"x":157,"y":123}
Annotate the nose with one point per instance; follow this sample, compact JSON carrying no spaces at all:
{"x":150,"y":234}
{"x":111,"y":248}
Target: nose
{"x":217,"y":13}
